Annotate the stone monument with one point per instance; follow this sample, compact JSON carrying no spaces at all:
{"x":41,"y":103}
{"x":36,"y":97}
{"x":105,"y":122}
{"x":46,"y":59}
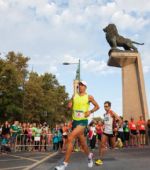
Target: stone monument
{"x":133,"y":88}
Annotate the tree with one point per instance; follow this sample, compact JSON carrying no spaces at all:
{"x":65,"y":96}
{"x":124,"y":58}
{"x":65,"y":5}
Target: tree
{"x":27,"y":96}
{"x":13,"y":70}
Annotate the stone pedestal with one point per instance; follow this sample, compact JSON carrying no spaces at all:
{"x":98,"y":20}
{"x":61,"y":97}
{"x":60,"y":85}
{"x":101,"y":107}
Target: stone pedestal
{"x":133,"y":88}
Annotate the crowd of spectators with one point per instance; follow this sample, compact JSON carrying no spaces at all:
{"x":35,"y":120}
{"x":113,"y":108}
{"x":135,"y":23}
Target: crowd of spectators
{"x":38,"y":137}
{"x":128,"y":133}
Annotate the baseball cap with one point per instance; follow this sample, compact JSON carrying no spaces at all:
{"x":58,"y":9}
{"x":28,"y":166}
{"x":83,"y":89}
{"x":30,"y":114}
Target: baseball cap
{"x":83,"y":82}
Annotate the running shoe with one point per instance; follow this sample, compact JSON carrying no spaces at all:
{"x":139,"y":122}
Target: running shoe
{"x":90,"y":160}
{"x":99,"y":162}
{"x":60,"y":167}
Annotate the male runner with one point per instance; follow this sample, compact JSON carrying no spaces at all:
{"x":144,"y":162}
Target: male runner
{"x":110,"y":129}
{"x":79,"y":103}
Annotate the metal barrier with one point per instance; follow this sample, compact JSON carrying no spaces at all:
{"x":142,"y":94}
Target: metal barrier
{"x":24,"y":142}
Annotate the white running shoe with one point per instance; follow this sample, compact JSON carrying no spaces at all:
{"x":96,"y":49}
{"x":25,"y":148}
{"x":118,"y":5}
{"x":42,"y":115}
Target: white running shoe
{"x":60,"y":167}
{"x":90,"y":160}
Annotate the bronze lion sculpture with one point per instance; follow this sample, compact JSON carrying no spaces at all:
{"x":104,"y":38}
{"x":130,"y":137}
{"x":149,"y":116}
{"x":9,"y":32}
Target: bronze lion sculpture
{"x":115,"y":40}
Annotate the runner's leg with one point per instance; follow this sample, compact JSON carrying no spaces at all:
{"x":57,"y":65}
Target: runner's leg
{"x":113,"y":142}
{"x":83,"y":144}
{"x":75,"y":133}
{"x":103,"y":145}
{"x":86,"y":150}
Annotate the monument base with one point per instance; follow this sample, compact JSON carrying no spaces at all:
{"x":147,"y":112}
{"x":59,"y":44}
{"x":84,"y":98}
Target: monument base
{"x":133,"y":88}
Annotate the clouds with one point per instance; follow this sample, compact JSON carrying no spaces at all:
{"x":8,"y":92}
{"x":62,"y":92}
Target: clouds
{"x":126,"y":21}
{"x":70,"y":59}
{"x":146,"y":69}
{"x":97,"y":67}
{"x":58,"y":28}
{"x":134,"y":5}
{"x":51,"y":32}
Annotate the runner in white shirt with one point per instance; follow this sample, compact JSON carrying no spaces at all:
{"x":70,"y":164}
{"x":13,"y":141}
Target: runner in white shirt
{"x":110,"y":128}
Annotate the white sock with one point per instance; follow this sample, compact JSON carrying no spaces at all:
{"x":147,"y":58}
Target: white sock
{"x":66,"y":164}
{"x":90,"y":155}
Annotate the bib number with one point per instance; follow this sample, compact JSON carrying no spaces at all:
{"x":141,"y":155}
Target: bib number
{"x":106,"y":119}
{"x":79,"y":114}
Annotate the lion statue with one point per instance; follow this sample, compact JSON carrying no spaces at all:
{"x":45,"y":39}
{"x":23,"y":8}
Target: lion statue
{"x":115,"y":40}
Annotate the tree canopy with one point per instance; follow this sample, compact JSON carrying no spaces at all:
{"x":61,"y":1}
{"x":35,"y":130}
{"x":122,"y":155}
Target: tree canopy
{"x":28,"y":96}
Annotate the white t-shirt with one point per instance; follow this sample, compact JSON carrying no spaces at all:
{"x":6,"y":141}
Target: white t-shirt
{"x":93,"y":129}
{"x":108,"y":123}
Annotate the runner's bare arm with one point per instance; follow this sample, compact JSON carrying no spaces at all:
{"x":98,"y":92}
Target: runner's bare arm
{"x":96,"y":106}
{"x":117,"y":117}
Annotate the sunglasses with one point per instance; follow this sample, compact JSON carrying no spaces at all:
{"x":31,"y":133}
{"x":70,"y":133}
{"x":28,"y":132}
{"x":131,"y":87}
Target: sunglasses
{"x":106,"y":106}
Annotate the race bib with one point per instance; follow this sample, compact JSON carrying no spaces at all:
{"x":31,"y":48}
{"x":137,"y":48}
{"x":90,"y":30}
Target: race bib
{"x":142,"y":126}
{"x":133,"y":125}
{"x":79,"y":114}
{"x":106,"y":118}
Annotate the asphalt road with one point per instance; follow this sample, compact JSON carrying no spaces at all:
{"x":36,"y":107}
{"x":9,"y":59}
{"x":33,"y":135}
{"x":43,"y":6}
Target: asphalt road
{"x":119,"y":159}
{"x":22,"y":160}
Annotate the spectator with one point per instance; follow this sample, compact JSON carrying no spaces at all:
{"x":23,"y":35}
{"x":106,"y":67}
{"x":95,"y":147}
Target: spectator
{"x":65,"y":135}
{"x":55,"y":141}
{"x":126,"y":132}
{"x":37,"y":137}
{"x":60,"y":139}
{"x":0,"y":132}
{"x":45,"y":127}
{"x":99,"y":131}
{"x":92,"y":135}
{"x":141,"y":125}
{"x":49,"y":135}
{"x":29,"y":129}
{"x":14,"y":129}
{"x":25,"y":134}
{"x":6,"y":128}
{"x":44,"y":138}
{"x":34,"y":129}
{"x":5,"y":144}
{"x":0,"y":129}
{"x":120,"y":131}
{"x":148,"y":128}
{"x":133,"y":132}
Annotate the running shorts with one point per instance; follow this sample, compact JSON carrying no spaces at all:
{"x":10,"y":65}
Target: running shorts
{"x":76,"y":123}
{"x":142,"y":132}
{"x":133,"y":132}
{"x":109,"y":135}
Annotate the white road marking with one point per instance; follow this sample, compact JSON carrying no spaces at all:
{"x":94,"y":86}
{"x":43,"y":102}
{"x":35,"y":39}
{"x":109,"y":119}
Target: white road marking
{"x":18,"y":167}
{"x":41,"y":161}
{"x":21,"y":157}
{"x":9,"y":160}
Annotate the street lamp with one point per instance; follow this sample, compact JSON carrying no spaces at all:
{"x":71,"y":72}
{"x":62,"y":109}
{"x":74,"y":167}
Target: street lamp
{"x":78,"y":75}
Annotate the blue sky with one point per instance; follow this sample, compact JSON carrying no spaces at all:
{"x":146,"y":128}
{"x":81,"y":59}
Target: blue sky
{"x":51,"y":32}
